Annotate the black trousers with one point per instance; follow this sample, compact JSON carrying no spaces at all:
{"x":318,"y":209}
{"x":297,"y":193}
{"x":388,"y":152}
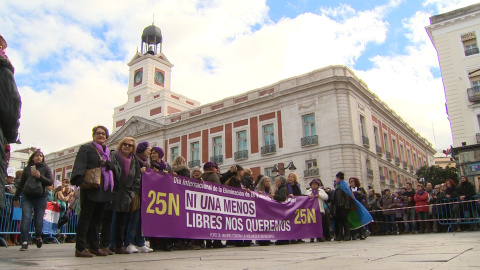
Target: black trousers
{"x":121,"y":224}
{"x":89,"y":222}
{"x":342,"y":227}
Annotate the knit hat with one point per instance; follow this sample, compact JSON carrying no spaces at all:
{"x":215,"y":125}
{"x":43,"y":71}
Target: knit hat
{"x":209,"y":164}
{"x":315,"y":181}
{"x":141,"y":147}
{"x":158,"y":150}
{"x":340,"y":175}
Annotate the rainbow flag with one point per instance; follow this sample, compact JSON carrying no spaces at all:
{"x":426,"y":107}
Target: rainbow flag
{"x":358,"y":215}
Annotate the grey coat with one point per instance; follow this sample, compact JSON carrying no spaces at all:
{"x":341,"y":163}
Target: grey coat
{"x":126,"y":186}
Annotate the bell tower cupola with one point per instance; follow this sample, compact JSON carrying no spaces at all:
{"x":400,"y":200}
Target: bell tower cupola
{"x":152,"y":40}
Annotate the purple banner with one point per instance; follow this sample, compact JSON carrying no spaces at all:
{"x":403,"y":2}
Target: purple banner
{"x":181,"y":207}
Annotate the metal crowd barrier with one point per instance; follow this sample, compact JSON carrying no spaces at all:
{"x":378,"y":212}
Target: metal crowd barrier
{"x":455,"y":212}
{"x":8,"y":226}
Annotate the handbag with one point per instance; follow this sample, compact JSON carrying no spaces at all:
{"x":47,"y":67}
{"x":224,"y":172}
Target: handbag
{"x":93,"y":178}
{"x":135,"y":203}
{"x":33,"y":187}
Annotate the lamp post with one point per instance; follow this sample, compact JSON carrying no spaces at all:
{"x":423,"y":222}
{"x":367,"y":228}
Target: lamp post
{"x":281,"y":169}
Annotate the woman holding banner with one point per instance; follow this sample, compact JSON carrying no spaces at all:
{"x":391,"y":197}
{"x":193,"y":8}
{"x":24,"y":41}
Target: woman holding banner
{"x":90,"y":157}
{"x":35,"y":177}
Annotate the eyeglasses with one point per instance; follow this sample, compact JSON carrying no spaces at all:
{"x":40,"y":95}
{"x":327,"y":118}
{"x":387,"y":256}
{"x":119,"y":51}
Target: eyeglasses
{"x":100,"y":133}
{"x":128,"y":145}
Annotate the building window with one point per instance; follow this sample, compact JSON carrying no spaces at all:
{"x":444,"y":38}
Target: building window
{"x":23,"y":164}
{"x":173,"y":153}
{"x":394,"y":145}
{"x":268,"y":140}
{"x":69,"y":174}
{"x":217,"y":150}
{"x":390,"y":175}
{"x":57,"y":177}
{"x":195,"y":154}
{"x":309,"y":125}
{"x":242,"y":141}
{"x":269,"y":172}
{"x":310,"y":168}
{"x":402,"y":153}
{"x":415,"y":161}
{"x":362,"y":126}
{"x":385,"y":142}
{"x":469,"y":41}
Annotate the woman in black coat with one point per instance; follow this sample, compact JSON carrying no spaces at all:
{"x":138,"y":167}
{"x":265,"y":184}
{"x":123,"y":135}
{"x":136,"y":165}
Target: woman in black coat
{"x":92,"y":201}
{"x":35,"y":178}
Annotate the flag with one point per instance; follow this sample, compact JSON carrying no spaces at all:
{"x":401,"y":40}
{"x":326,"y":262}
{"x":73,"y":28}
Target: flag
{"x":358,"y":215}
{"x":50,"y":218}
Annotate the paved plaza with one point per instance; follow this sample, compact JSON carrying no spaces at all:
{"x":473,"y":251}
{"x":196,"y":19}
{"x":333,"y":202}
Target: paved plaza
{"x":420,"y":251}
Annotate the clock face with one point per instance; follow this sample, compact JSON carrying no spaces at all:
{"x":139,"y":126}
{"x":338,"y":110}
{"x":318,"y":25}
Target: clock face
{"x":159,"y":78}
{"x":138,"y":77}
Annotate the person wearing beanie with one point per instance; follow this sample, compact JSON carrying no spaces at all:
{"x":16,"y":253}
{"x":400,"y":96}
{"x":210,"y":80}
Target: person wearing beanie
{"x":316,"y":192}
{"x":10,"y":105}
{"x":341,"y":205}
{"x":156,"y":162}
{"x":142,"y":154}
{"x":210,"y":174}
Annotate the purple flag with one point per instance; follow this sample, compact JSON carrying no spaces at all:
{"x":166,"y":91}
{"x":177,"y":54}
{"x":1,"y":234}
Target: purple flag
{"x":181,"y":207}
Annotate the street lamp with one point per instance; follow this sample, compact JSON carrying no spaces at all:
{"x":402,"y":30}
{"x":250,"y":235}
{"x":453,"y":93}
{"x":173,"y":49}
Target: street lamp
{"x":290,"y":166}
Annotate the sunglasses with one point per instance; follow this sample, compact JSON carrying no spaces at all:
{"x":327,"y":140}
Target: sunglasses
{"x":128,"y":145}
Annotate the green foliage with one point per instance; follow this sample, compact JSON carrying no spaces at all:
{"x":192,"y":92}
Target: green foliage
{"x":437,"y":175}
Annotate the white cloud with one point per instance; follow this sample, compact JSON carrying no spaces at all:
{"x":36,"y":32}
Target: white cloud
{"x":93,"y":40}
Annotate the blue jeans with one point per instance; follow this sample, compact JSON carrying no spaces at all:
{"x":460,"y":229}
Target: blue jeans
{"x":37,"y":205}
{"x":409,"y":215}
{"x":134,"y":230}
{"x":390,"y":223}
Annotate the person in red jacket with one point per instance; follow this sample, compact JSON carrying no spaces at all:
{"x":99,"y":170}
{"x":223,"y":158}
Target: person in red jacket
{"x":421,"y":207}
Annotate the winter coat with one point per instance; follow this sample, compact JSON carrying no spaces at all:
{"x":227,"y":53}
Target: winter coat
{"x":125,"y":186}
{"x":211,"y":177}
{"x":156,"y":166}
{"x":371,"y":203}
{"x":362,"y":198}
{"x":234,"y":182}
{"x":296,"y":191}
{"x":340,"y":200}
{"x":181,"y":170}
{"x":398,"y":203}
{"x":410,"y":194}
{"x":225,"y":176}
{"x":10,"y":105}
{"x":322,"y":198}
{"x":87,"y":158}
{"x":387,"y":202}
{"x":281,"y":193}
{"x":465,"y":189}
{"x":248,"y":181}
{"x":421,"y":202}
{"x":46,"y":179}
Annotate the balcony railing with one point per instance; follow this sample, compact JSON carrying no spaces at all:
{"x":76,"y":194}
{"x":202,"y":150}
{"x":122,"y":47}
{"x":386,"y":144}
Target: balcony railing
{"x":366,"y":141}
{"x":379,"y":151}
{"x":388,"y":155}
{"x":311,"y":172}
{"x":410,"y":167}
{"x":474,"y":94}
{"x":471,"y":51}
{"x":241,"y":155}
{"x":404,"y":165}
{"x":217,"y":159}
{"x":310,"y":140}
{"x":397,"y":161}
{"x":269,"y":149}
{"x":194,"y":163}
{"x":382,"y":178}
{"x":369,"y":172}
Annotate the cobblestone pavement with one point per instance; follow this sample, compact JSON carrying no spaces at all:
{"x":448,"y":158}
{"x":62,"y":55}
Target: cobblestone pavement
{"x":420,"y":251}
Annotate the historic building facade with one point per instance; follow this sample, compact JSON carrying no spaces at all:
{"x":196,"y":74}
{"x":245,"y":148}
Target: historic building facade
{"x":318,"y":123}
{"x":454,"y":35}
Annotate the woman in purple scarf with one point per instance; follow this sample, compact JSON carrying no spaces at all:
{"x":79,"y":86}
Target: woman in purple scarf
{"x":93,"y":201}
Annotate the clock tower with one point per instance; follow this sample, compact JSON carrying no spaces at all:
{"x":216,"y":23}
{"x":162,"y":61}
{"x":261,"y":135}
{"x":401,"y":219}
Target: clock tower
{"x":149,"y":93}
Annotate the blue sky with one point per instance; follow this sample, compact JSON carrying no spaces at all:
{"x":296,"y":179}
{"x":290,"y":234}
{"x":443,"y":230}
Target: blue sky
{"x":65,"y":52}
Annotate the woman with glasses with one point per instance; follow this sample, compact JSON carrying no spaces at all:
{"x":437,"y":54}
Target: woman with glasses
{"x":127,"y":184}
{"x":92,"y":201}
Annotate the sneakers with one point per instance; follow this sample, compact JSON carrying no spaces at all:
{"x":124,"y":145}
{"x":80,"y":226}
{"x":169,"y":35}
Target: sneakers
{"x":24,"y":246}
{"x":39,"y":242}
{"x":144,"y":249}
{"x":131,"y":249}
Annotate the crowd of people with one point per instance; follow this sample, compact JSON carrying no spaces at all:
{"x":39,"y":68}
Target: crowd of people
{"x":427,"y":209}
{"x":109,"y":213}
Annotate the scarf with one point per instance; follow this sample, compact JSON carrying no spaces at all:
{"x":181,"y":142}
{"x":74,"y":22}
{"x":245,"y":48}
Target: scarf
{"x":126,"y":164}
{"x":314,"y":192}
{"x":354,"y":189}
{"x":159,"y":165}
{"x":107,"y":175}
{"x":143,"y":161}
{"x":290,"y":189}
{"x":420,"y":192}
